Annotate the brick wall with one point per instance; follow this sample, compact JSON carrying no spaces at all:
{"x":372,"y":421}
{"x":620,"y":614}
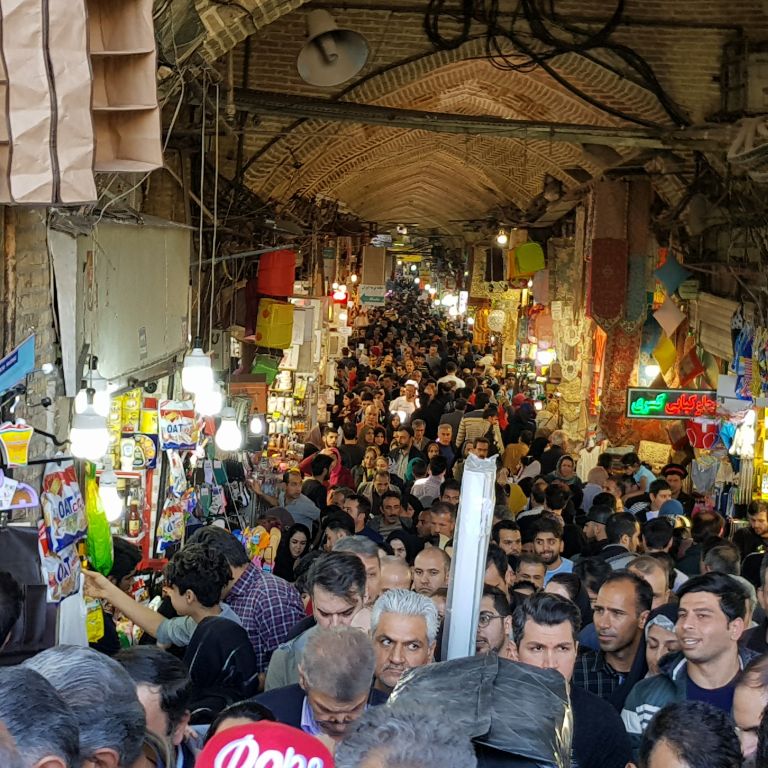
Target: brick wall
{"x":34,"y":315}
{"x":382,"y":173}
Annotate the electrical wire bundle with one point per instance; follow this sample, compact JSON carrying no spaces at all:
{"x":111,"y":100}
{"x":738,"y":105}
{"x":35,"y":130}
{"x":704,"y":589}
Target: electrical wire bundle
{"x":548,"y":36}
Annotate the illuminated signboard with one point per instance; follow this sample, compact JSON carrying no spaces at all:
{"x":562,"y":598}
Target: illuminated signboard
{"x":670,"y":403}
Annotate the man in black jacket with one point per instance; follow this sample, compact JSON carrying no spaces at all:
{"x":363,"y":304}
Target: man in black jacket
{"x":545,"y":628}
{"x":330,"y":695}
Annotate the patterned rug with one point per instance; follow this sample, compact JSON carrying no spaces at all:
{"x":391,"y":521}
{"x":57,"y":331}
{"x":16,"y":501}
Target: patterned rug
{"x":620,"y":359}
{"x":608,"y":281}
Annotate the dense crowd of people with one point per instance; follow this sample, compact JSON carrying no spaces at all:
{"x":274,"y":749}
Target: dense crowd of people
{"x":618,"y":623}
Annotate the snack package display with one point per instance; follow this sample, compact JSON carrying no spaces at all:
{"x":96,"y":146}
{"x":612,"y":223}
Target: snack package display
{"x":63,"y":508}
{"x":94,"y":621}
{"x":100,"y":553}
{"x":171,"y":521}
{"x":14,"y":443}
{"x":61,"y":570}
{"x":177,"y":425}
{"x":131,"y":414}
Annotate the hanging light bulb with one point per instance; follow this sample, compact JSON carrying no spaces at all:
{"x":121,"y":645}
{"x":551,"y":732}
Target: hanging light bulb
{"x":414,"y":268}
{"x":416,"y":280}
{"x":209,"y":403}
{"x":399,"y":262}
{"x":427,"y":287}
{"x":470,"y":321}
{"x":502,"y":238}
{"x":100,"y":386}
{"x":652,"y":370}
{"x":257,"y":425}
{"x":353,"y":279}
{"x":228,"y":436}
{"x":88,"y":435}
{"x":197,"y":373}
{"x":110,"y":499}
{"x":335,"y":285}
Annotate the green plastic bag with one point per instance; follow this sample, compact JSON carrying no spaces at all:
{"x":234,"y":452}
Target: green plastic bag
{"x":99,"y":541}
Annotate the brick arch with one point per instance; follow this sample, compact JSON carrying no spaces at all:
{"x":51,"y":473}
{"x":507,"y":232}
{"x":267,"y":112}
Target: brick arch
{"x":450,"y":81}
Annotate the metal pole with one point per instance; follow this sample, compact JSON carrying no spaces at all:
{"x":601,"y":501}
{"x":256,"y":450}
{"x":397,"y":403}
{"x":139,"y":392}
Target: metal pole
{"x":470,"y":545}
{"x":9,"y":279}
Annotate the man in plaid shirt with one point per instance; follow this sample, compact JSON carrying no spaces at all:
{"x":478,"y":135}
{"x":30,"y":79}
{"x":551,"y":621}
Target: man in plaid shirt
{"x":268,"y":606}
{"x":621,"y":609}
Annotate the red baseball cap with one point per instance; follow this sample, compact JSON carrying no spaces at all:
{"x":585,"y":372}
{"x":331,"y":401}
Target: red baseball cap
{"x":518,"y":399}
{"x":272,"y":745}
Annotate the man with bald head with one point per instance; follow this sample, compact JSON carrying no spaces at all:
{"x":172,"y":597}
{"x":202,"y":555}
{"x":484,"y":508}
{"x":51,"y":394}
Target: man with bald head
{"x":395,"y":573}
{"x":431,"y":569}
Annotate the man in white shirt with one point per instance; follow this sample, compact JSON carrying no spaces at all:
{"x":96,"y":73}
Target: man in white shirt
{"x":427,"y":489}
{"x":450,"y":376}
{"x":406,"y":404}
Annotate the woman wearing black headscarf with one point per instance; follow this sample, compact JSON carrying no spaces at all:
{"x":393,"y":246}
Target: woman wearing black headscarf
{"x":293,"y":544}
{"x":405,"y":545}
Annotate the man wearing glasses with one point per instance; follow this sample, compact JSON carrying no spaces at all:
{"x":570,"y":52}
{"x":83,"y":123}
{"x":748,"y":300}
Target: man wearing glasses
{"x":494,"y":624}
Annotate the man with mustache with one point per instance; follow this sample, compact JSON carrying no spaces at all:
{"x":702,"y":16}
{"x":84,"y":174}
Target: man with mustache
{"x":710,"y":621}
{"x":621,"y":609}
{"x":404,"y":628}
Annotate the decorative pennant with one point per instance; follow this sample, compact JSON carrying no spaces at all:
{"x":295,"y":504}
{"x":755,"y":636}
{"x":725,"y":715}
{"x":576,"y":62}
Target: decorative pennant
{"x":668,"y":316}
{"x":665,"y":353}
{"x":672,"y":274}
{"x":689,"y":368}
{"x":651,"y":334}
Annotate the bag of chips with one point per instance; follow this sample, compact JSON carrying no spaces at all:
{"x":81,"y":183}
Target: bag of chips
{"x":62,"y":504}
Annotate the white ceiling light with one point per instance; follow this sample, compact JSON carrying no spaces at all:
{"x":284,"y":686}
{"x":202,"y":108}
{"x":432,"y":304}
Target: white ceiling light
{"x":110,"y":499}
{"x":88,"y":435}
{"x":100,"y":386}
{"x":197,"y":373}
{"x":228,"y":436}
{"x":209,"y":403}
{"x":502,"y":238}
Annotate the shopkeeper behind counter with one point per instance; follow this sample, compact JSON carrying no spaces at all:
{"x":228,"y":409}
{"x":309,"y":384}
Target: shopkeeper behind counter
{"x":302,"y":509}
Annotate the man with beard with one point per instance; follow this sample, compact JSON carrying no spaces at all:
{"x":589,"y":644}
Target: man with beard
{"x":621,"y":609}
{"x":594,"y":529}
{"x":709,"y":624}
{"x":404,"y":627}
{"x":548,"y":545}
{"x":494,"y":623}
{"x":329,"y":696}
{"x":755,"y":537}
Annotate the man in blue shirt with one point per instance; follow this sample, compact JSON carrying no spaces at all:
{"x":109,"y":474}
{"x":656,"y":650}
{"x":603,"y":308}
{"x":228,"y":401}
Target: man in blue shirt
{"x":548,"y":545}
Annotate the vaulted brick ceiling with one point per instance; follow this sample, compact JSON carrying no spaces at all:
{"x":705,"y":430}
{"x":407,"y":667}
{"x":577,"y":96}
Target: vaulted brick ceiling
{"x":386,"y":174}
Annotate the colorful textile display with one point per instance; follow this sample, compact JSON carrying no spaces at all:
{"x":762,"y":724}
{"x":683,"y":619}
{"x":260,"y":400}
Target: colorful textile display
{"x":608,"y":281}
{"x":620,"y":358}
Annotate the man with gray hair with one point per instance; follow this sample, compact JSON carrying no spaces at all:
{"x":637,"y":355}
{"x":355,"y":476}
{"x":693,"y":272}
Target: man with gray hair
{"x":404,"y":628}
{"x":335,"y":673}
{"x":40,"y":724}
{"x":405,"y":736}
{"x":102,"y":697}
